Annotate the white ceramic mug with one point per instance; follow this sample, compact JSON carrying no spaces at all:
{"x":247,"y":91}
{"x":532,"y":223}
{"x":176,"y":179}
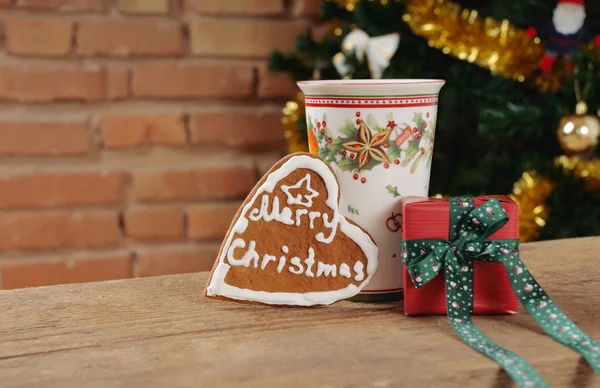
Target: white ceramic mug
{"x":378,"y":137}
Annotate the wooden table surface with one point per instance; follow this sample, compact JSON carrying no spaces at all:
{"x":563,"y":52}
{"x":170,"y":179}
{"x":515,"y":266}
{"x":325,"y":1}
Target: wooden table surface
{"x":161,"y":332}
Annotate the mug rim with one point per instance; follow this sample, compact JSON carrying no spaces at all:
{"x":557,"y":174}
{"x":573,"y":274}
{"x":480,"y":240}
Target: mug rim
{"x":372,"y":88}
{"x":393,"y":81}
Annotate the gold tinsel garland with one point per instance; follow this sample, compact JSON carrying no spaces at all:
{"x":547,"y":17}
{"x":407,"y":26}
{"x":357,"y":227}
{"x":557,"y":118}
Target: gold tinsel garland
{"x":492,"y":44}
{"x":350,"y":5}
{"x":292,"y":112}
{"x":532,"y":190}
{"x":587,"y":169}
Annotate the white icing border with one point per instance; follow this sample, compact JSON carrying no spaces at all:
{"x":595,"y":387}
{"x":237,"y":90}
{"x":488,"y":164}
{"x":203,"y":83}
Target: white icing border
{"x":217,"y":285}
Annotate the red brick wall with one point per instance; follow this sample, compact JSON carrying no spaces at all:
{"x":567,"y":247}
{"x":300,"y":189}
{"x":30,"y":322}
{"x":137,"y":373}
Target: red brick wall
{"x":130,"y":130}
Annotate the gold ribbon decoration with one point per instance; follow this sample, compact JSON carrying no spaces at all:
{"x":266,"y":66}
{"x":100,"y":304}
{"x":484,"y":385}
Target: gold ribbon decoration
{"x":532,"y":190}
{"x":586,"y":169}
{"x":350,"y":5}
{"x":292,"y":112}
{"x":492,"y":44}
{"x":378,"y":50}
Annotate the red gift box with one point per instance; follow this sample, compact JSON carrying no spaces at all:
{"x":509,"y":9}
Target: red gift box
{"x":430,"y":218}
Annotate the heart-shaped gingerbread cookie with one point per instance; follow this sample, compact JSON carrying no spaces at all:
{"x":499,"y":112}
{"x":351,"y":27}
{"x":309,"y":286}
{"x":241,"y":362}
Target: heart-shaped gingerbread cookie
{"x":288,"y":244}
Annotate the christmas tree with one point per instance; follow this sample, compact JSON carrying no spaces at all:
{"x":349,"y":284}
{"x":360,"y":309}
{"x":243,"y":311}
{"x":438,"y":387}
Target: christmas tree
{"x":514,"y":70}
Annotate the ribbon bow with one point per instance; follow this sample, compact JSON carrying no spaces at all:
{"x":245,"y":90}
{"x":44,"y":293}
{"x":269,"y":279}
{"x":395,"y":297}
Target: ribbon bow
{"x":379,"y":51}
{"x":469,"y":229}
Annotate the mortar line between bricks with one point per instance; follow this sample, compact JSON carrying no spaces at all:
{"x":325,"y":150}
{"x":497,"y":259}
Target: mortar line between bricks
{"x":185,"y":34}
{"x":93,"y":127}
{"x":92,"y":209}
{"x":255,"y":82}
{"x":73,"y":49}
{"x":88,"y":16}
{"x":287,"y":6}
{"x":135,"y":264}
{"x":187,"y":121}
{"x":186,"y":222}
{"x":115,"y":161}
{"x":126,"y":195}
{"x":196,"y":105}
{"x":175,"y":8}
{"x":121,"y":224}
{"x":84,"y":61}
{"x":88,"y":252}
{"x":280,"y":17}
{"x":46,"y":256}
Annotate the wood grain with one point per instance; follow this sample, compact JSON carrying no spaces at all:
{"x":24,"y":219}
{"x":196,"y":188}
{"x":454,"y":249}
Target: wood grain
{"x":160,"y":332}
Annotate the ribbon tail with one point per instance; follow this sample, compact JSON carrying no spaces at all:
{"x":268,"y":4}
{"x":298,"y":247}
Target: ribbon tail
{"x":523,"y":374}
{"x":547,"y":314}
{"x":459,"y":301}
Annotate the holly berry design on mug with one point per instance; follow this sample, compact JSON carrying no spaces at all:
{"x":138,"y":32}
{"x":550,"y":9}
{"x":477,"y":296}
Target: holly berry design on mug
{"x":366,"y":143}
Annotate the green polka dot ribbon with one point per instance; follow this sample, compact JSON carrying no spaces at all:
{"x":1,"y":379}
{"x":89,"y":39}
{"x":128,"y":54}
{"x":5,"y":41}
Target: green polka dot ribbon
{"x":469,"y":229}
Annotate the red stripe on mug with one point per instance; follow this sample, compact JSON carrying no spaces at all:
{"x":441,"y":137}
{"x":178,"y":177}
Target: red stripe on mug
{"x":381,"y":105}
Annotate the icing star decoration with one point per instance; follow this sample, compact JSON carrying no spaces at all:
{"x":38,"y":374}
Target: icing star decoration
{"x":368,"y":146}
{"x":300,"y":199}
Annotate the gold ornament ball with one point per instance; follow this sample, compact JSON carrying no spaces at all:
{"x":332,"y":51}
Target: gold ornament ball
{"x":579,"y":134}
